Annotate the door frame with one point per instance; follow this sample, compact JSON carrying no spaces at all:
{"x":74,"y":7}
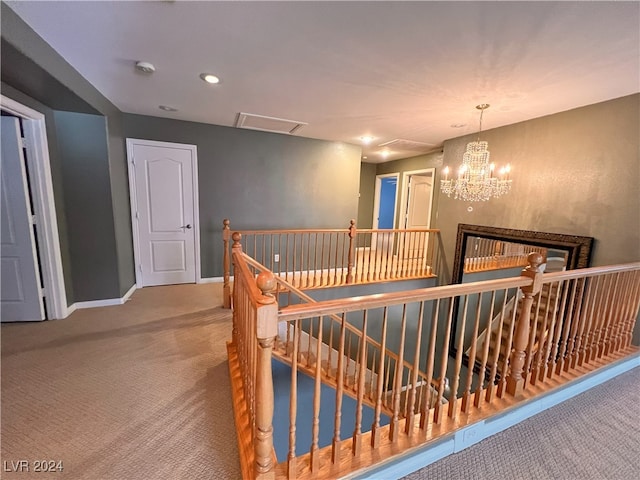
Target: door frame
{"x":376,"y":199}
{"x":134,"y":202}
{"x":405,"y":194}
{"x":41,"y":185}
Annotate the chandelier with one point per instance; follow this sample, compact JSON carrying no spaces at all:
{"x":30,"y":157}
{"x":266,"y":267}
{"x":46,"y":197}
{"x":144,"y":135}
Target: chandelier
{"x":477,"y":180}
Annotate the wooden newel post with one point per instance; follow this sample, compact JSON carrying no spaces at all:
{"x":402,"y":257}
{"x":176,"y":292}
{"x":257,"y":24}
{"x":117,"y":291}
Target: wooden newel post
{"x":515,"y":379}
{"x":266,"y":331}
{"x":226,"y":263}
{"x":352,"y":234}
{"x":237,"y":246}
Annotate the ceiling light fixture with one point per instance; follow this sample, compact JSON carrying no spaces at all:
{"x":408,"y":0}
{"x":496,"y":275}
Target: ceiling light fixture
{"x":167,"y":108}
{"x":209,"y":78}
{"x":476,"y":181}
{"x":366,"y":139}
{"x":145,"y":67}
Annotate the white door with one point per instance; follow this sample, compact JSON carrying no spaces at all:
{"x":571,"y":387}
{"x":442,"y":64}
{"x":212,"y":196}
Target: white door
{"x":418,"y":214}
{"x":164,"y":211}
{"x":419,"y":201}
{"x":21,"y":297}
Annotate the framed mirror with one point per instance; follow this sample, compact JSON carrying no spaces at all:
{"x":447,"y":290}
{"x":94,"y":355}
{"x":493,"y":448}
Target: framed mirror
{"x":488,"y":253}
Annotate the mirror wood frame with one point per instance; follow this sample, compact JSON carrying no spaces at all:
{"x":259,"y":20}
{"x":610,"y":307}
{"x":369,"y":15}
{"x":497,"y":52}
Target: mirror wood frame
{"x":579,"y":250}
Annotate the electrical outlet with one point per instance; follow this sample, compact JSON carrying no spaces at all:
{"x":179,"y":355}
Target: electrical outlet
{"x":276,"y":257}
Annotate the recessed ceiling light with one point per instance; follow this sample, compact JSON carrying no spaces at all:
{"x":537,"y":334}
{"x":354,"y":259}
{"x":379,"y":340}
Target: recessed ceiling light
{"x":209,"y":78}
{"x":366,"y":139}
{"x":364,"y":158}
{"x":385,"y":153}
{"x":166,"y":108}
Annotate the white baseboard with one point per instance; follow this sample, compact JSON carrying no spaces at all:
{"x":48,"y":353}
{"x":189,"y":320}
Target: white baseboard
{"x":102,"y":303}
{"x":214,"y":279}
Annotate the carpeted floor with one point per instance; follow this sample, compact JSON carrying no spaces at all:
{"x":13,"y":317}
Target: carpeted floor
{"x":141,"y":391}
{"x":593,"y":436}
{"x":138,"y":391}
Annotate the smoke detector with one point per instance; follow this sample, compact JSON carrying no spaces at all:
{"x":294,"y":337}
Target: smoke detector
{"x":145,"y":67}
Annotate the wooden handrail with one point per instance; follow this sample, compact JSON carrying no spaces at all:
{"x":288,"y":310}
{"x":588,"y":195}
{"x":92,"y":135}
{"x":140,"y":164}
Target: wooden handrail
{"x":328,"y":307}
{"x":349,"y":327}
{"x":327,"y":257}
{"x":566,"y":322}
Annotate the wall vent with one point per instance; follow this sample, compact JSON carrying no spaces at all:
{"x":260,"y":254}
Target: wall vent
{"x":268,"y":124}
{"x":402,"y":145}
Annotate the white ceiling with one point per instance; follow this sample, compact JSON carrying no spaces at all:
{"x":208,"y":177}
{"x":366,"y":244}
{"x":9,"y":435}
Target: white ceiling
{"x":392,"y":70}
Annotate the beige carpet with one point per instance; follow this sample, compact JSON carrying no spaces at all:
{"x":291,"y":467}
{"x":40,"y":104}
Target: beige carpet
{"x":138,"y":391}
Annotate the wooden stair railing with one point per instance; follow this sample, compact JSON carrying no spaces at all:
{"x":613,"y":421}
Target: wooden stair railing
{"x":595,"y":313}
{"x":319,"y":258}
{"x":307,"y":358}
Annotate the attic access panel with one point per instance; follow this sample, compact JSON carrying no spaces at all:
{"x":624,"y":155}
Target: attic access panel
{"x":268,"y":124}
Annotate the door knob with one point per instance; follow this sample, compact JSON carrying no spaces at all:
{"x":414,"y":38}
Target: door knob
{"x":188,"y":225}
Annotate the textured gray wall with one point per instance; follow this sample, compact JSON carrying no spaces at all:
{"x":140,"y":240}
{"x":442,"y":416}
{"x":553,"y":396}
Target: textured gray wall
{"x":260,"y":180}
{"x":575,"y":172}
{"x":421,"y":162}
{"x":82,"y":146}
{"x":38,"y":70}
{"x":56,"y":178}
{"x":367,"y":195}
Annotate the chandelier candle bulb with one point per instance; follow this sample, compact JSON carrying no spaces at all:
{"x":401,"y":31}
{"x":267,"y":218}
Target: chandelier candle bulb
{"x":476,"y":181}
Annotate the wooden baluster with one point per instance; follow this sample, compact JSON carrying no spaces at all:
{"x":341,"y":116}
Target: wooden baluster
{"x":308,"y":266}
{"x":594,"y":330}
{"x":597,"y":321}
{"x":356,"y":446}
{"x":237,"y":247}
{"x":294,"y":256}
{"x":352,"y":236}
{"x":437,"y":413}
{"x":266,"y":331}
{"x":515,"y":380}
{"x":317,"y":277}
{"x":629,"y":300}
{"x":397,"y":383}
{"x":585,"y":322}
{"x":346,"y":373}
{"x":535,"y":359}
{"x":485,"y":351}
{"x":315,"y":430}
{"x":466,"y":397}
{"x":608,"y":316}
{"x":293,"y":403}
{"x":618,"y":318}
{"x":414,"y":377}
{"x":576,"y":320}
{"x":507,"y":349}
{"x":335,"y":446}
{"x":557,"y":326}
{"x":330,"y":346}
{"x":550,"y":328}
{"x":426,"y":406}
{"x":453,"y":401}
{"x":568,"y":316}
{"x":226,"y":288}
{"x":322,"y":264}
{"x":337,"y":265}
{"x":631,"y":312}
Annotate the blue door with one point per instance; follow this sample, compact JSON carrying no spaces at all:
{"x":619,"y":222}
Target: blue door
{"x":387,"y":207}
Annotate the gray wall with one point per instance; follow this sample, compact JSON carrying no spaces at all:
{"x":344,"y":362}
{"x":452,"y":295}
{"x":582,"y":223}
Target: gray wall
{"x":421,"y":162}
{"x":575,"y":172}
{"x":260,"y":180}
{"x":367,"y":195}
{"x":37,"y":71}
{"x":56,"y":178}
{"x":82,"y":144}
